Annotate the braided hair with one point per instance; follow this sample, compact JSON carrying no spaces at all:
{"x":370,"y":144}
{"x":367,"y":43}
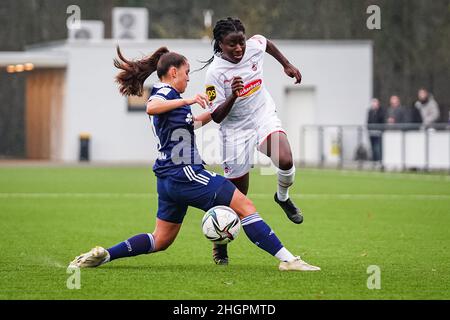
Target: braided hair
{"x":222,"y":28}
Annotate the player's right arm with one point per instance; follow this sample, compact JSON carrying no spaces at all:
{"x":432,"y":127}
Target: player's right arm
{"x":223,"y":109}
{"x":157,"y":106}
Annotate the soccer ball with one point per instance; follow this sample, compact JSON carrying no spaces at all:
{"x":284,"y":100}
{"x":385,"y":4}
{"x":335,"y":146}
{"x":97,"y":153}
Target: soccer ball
{"x":221,"y":224}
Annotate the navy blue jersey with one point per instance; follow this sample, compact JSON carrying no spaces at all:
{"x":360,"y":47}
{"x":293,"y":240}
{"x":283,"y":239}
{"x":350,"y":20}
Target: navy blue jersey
{"x":174,"y":132}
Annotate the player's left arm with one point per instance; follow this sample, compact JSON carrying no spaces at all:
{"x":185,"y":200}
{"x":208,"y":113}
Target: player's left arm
{"x":289,"y":69}
{"x":202,"y":120}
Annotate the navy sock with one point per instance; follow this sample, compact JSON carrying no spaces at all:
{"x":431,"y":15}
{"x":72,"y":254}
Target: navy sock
{"x":140,"y":244}
{"x":261,"y":234}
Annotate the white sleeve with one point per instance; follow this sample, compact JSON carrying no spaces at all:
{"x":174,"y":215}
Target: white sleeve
{"x":214,"y":90}
{"x":258,"y":41}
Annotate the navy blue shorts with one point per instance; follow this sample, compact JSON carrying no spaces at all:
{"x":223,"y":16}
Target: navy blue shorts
{"x":202,"y":190}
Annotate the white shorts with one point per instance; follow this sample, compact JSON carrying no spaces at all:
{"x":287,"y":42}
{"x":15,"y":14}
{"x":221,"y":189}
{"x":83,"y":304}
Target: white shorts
{"x":238,"y":145}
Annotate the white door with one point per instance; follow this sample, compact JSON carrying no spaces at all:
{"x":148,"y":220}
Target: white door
{"x":299,"y":110}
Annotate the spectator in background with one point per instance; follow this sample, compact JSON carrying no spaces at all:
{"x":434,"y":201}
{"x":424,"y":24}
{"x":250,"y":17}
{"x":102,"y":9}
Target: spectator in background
{"x":428,"y":107}
{"x":375,"y":123}
{"x":413,"y":117}
{"x":395,"y":114}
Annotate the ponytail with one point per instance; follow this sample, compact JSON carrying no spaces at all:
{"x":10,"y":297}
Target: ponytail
{"x":134,"y":73}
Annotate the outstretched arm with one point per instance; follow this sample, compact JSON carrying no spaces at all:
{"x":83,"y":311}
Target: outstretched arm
{"x":158,"y":106}
{"x":202,"y":119}
{"x":289,"y":69}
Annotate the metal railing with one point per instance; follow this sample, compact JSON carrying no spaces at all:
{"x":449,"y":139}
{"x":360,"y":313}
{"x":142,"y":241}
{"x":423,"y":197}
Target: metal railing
{"x":349,"y":145}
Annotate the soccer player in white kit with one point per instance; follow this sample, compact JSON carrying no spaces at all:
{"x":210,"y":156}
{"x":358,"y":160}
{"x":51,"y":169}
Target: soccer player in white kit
{"x":246,"y":112}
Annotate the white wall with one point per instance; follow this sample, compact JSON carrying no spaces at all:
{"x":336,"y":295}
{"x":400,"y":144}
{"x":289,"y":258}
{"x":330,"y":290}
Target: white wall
{"x":416,"y":154}
{"x":339,"y":72}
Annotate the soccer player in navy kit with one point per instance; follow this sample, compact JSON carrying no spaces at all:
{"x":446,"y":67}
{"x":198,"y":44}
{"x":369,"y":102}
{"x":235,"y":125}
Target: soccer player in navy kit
{"x":182,"y":180}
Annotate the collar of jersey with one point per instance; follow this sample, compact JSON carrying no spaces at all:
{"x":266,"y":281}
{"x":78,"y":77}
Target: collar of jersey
{"x":232,"y":63}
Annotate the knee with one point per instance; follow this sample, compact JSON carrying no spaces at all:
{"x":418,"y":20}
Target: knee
{"x":286,"y":161}
{"x":250,"y":207}
{"x":242,"y":205}
{"x":247,"y":208}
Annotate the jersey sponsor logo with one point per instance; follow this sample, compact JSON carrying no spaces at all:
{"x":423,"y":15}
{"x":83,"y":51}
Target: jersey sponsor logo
{"x":250,"y":88}
{"x":211,"y":92}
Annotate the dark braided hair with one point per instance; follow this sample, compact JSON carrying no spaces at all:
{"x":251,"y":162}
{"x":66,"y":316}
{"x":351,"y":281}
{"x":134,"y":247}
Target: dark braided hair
{"x":222,"y":28}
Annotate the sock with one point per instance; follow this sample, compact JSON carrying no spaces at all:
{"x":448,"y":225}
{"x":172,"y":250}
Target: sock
{"x":141,"y":244}
{"x":285,"y":180}
{"x":261,"y":234}
{"x":285,"y":255}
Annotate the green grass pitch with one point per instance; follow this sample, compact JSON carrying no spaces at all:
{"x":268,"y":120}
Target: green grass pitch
{"x":398,"y":222}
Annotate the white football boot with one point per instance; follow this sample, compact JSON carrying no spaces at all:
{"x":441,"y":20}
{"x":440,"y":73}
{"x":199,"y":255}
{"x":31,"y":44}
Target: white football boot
{"x":297,"y":265}
{"x":94,"y":258}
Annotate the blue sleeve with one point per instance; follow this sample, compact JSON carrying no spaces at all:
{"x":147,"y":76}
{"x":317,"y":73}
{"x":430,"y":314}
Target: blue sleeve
{"x":163,"y":94}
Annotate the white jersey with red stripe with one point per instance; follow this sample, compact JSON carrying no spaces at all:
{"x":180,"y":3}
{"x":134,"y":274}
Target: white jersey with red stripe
{"x":253,"y":116}
{"x":253,"y":99}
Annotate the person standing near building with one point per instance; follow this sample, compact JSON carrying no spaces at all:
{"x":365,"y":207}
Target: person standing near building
{"x":395,"y":114}
{"x":375,"y":123}
{"x":428,"y":107}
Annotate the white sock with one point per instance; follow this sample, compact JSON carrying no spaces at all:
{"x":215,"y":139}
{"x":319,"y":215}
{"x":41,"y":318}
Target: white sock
{"x":285,"y":180}
{"x":284,"y":255}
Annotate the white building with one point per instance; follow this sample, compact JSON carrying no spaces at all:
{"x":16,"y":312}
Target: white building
{"x":72,"y":91}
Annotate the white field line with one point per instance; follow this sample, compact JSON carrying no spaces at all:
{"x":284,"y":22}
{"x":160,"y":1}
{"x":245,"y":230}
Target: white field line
{"x":375,"y":174}
{"x":312,"y":196}
{"x":343,"y":196}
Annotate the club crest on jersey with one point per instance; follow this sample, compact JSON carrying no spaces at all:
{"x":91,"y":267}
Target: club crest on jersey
{"x":189,"y":118}
{"x":211,"y":92}
{"x":250,"y":88}
{"x":254,"y":66}
{"x":227,"y":169}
